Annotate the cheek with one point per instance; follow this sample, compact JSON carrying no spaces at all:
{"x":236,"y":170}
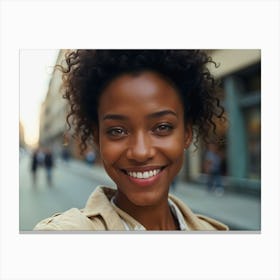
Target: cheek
{"x":109,"y":152}
{"x":173,"y":147}
{"x":175,"y":154}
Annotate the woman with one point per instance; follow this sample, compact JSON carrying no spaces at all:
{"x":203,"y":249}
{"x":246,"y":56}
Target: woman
{"x":140,"y":108}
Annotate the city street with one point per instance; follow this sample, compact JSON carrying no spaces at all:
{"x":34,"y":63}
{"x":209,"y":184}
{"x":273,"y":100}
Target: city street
{"x":74,"y":181}
{"x":72,"y":185}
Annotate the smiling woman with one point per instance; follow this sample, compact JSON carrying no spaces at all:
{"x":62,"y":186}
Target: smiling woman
{"x":141,"y":108}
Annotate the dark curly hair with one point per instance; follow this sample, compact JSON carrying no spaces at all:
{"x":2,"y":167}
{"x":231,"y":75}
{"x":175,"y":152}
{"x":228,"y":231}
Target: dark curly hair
{"x":87,"y":72}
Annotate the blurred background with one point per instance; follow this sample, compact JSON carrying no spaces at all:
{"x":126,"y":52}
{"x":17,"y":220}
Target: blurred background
{"x":223,"y":182}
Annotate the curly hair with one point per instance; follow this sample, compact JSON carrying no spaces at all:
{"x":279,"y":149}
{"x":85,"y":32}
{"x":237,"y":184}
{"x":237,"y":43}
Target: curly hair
{"x":87,"y":72}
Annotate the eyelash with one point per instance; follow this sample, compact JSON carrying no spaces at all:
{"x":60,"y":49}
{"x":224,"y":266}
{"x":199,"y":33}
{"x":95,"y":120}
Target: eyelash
{"x":116,"y":132}
{"x":160,"y":130}
{"x":163,"y":129}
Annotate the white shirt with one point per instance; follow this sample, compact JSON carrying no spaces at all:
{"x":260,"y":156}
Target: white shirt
{"x":174,"y":209}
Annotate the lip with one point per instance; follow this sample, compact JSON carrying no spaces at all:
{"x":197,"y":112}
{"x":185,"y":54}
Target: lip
{"x":143,"y":182}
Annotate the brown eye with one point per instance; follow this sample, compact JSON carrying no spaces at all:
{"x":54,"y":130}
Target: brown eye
{"x":163,"y":129}
{"x":116,"y":132}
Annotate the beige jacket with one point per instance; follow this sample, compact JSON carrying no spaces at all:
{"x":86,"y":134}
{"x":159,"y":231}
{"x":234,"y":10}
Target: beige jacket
{"x":99,"y":214}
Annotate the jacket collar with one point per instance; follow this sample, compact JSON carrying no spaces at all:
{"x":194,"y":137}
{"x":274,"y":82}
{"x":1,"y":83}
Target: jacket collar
{"x":99,"y":204}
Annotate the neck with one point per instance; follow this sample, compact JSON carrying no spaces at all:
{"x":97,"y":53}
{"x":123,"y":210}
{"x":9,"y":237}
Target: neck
{"x":155,"y":217}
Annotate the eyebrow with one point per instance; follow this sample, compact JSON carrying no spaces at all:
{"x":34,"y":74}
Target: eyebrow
{"x":161,"y":114}
{"x":150,"y":116}
{"x":114,"y":117}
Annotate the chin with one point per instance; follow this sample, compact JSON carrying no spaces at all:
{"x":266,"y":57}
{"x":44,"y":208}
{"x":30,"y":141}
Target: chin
{"x":146,"y":199}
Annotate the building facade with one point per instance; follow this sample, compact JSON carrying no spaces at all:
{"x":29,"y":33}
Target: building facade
{"x":240,"y":75}
{"x":54,"y":130}
{"x":53,"y":113}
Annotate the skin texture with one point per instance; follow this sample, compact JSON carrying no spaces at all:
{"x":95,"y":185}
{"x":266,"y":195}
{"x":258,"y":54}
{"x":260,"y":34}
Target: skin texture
{"x":141,"y":128}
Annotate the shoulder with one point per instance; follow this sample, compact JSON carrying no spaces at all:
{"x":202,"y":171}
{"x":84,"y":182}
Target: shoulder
{"x":72,"y":219}
{"x":98,"y":214}
{"x":211,"y":224}
{"x":196,"y":221}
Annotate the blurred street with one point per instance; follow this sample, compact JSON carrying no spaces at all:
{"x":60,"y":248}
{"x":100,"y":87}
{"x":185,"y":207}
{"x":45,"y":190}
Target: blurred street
{"x":74,"y":181}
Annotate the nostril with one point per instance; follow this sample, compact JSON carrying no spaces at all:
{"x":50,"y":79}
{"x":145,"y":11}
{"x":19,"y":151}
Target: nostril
{"x":140,"y":155}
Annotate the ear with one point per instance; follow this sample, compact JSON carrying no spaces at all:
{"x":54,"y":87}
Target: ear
{"x":188,"y":136}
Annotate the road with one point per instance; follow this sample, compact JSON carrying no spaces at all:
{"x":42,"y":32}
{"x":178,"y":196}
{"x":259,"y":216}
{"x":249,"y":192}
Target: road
{"x":70,"y":188}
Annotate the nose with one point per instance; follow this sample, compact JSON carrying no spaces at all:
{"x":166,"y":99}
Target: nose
{"x":140,"y":148}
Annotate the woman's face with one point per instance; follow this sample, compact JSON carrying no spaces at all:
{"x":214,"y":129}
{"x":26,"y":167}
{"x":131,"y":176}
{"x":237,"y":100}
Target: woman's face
{"x":142,"y":136}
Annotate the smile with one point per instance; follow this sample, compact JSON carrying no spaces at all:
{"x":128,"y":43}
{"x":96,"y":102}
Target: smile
{"x":143,"y":175}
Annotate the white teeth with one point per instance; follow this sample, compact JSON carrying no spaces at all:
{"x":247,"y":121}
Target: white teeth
{"x":144,"y":175}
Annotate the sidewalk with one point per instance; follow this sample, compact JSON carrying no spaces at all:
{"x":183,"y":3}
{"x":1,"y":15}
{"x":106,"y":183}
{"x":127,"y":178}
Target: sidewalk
{"x":239,"y":211}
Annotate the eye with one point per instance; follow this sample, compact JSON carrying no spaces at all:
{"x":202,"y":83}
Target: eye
{"x":116,"y":132}
{"x":163,"y":129}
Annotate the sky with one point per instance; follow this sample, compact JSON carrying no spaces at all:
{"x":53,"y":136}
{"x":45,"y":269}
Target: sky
{"x":36,"y":67}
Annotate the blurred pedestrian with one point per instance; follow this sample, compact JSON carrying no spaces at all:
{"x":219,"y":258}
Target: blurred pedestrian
{"x":40,"y":157}
{"x":65,"y":154}
{"x":34,"y":166}
{"x":213,"y":169}
{"x":48,"y":160}
{"x":140,"y":108}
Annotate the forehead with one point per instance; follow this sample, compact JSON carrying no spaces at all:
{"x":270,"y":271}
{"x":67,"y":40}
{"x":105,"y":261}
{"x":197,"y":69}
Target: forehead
{"x":147,"y":91}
